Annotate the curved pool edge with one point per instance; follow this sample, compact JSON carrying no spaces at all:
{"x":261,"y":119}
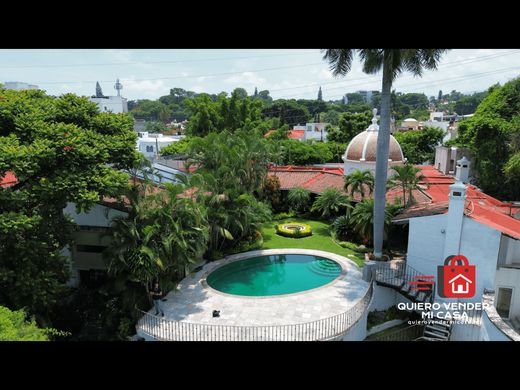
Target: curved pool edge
{"x":347,"y":267}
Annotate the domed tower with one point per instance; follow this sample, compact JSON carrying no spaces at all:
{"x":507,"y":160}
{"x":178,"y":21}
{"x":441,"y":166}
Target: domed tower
{"x":361,"y":151}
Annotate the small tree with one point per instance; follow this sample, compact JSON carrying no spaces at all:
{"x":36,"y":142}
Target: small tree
{"x":299,"y":199}
{"x":358,"y":180}
{"x":408,"y":177}
{"x":271,"y":190}
{"x":330,"y":202}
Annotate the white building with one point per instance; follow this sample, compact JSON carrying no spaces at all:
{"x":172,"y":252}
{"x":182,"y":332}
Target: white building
{"x":151,"y":144}
{"x":115,"y":104}
{"x":19,"y":86}
{"x":314,"y":131}
{"x":463,"y":220}
{"x":361,"y":152}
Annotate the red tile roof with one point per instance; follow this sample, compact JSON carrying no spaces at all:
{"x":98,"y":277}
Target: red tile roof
{"x":479,"y":206}
{"x":8,"y":180}
{"x":292,"y":134}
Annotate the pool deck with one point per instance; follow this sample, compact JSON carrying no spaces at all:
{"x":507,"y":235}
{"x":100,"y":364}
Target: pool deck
{"x":194,"y":301}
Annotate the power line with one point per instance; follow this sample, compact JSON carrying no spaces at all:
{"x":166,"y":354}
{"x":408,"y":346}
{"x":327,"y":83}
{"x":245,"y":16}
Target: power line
{"x":450,"y":65}
{"x":151,"y":62}
{"x":183,"y":77}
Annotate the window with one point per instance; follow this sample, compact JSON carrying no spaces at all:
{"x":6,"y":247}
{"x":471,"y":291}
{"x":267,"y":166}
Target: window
{"x":504,"y":301}
{"x":149,"y":148}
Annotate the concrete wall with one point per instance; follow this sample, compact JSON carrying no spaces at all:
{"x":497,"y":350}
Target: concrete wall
{"x":465,"y":332}
{"x":383,"y":298}
{"x":509,"y":250}
{"x":489,"y":332}
{"x":358,"y":332}
{"x":479,"y":243}
{"x":99,"y":215}
{"x":114,"y":104}
{"x":510,"y":278}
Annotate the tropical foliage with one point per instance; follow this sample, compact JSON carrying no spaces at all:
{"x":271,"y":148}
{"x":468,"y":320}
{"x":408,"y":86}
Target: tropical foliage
{"x":407,"y":177}
{"x":362,"y":218}
{"x":330,"y":203}
{"x":358,"y":181}
{"x":299,"y":199}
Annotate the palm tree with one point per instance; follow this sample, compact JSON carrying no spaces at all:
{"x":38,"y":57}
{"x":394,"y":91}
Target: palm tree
{"x":330,"y":202}
{"x":357,"y":180}
{"x":392,"y":62}
{"x":362,"y":218}
{"x":299,"y":198}
{"x":407,"y":177}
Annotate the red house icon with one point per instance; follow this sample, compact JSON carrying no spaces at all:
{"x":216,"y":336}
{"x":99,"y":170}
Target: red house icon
{"x":459,"y":284}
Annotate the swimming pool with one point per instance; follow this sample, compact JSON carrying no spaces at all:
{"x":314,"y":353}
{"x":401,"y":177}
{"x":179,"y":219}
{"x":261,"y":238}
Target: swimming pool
{"x":274,"y":275}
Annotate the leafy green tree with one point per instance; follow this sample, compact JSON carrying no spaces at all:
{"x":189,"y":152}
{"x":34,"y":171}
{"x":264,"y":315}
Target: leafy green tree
{"x":178,"y":147}
{"x":419,"y":146}
{"x":271,"y":191}
{"x":350,"y":125}
{"x":299,"y":199}
{"x":490,"y":135}
{"x":265,"y":97}
{"x":14,"y":327}
{"x":357,"y":181}
{"x":330,"y":202}
{"x":408,"y":177}
{"x":241,"y":93}
{"x":392,"y":62}
{"x":288,"y":111}
{"x":331,"y":117}
{"x":61,"y":150}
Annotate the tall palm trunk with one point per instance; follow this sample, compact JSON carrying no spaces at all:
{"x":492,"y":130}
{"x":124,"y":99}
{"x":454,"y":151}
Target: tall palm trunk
{"x":383,"y":141}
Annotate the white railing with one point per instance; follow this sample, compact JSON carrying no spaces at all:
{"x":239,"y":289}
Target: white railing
{"x":330,"y":328}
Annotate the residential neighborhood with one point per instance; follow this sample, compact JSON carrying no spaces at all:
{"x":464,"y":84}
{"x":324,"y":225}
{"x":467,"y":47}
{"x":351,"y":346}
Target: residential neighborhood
{"x":191,"y":204}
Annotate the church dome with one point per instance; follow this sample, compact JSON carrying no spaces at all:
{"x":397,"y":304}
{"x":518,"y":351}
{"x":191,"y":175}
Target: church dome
{"x":363,"y":146}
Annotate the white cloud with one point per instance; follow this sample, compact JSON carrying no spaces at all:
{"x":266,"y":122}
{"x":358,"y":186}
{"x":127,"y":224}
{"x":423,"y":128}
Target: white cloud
{"x":245,"y":78}
{"x":116,"y":55}
{"x":147,"y":88}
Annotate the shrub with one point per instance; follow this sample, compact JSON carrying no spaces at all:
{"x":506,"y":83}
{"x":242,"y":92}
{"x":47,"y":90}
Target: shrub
{"x":354,"y":247}
{"x":281,"y":216}
{"x":341,"y":227}
{"x":284,"y":230}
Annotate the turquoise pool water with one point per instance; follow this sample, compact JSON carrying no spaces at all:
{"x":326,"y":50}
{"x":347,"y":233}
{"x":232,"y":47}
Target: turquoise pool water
{"x":274,"y":275}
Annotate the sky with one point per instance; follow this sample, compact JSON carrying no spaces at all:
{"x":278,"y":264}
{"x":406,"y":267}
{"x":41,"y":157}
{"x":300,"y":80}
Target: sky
{"x":286,"y":73}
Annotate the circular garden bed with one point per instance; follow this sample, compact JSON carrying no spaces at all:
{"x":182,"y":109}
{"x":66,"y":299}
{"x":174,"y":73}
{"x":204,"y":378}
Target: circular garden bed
{"x":293,"y":229}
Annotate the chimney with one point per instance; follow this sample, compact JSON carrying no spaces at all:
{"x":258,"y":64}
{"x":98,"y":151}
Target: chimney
{"x":462,"y":173}
{"x":457,"y":199}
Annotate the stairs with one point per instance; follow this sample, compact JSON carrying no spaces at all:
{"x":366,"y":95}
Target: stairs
{"x":436,"y":330}
{"x":406,"y":281}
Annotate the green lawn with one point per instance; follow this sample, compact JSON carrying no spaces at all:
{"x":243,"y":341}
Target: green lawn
{"x":319,"y":240}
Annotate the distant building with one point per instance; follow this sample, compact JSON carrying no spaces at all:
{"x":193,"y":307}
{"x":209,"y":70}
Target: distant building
{"x":446,"y":157}
{"x":151,"y":144}
{"x":19,"y":86}
{"x":314,"y":131}
{"x":114,"y":104}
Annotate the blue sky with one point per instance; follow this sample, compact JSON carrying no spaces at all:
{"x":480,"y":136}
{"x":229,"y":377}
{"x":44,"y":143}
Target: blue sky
{"x":286,"y":73}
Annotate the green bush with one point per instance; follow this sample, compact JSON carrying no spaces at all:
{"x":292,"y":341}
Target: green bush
{"x":282,"y":230}
{"x":281,"y":216}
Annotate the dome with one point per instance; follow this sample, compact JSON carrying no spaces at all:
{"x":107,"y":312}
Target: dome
{"x":361,"y":152}
{"x":410,"y":120}
{"x":363,"y":147}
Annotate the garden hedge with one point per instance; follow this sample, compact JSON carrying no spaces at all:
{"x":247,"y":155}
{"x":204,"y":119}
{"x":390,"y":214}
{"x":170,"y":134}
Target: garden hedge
{"x":282,"y":230}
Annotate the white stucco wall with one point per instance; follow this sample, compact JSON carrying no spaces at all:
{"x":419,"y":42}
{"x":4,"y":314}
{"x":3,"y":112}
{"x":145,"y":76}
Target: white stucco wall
{"x":479,"y":243}
{"x":98,"y":215}
{"x":352,"y":166}
{"x":489,"y":331}
{"x":510,"y":278}
{"x":383,"y":298}
{"x":114,"y":104}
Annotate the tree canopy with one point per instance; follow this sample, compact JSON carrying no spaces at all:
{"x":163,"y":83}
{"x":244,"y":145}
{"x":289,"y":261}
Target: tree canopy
{"x":60,"y":150}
